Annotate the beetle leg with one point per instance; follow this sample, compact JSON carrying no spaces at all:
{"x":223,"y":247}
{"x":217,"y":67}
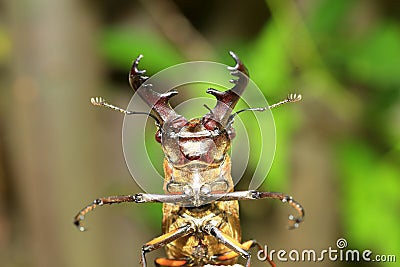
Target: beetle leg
{"x":254,"y":195}
{"x":137,"y":198}
{"x":164,"y":239}
{"x":228,"y":241}
{"x":246,"y":246}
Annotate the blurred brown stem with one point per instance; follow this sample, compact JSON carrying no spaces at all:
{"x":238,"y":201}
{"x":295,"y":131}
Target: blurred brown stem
{"x":174,"y":25}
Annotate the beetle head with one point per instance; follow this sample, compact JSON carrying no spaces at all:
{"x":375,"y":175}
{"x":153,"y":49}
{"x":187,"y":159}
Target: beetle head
{"x":206,"y":139}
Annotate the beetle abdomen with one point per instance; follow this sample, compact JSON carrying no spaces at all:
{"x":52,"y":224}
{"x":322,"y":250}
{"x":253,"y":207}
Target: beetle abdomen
{"x":198,"y":246}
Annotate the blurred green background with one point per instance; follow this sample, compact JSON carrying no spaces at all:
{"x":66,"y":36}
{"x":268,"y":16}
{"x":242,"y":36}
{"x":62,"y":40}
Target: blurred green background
{"x":337,"y":150}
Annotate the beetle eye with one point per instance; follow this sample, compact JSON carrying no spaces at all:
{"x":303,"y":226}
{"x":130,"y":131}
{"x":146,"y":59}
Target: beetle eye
{"x":210,"y":124}
{"x":157,"y":135}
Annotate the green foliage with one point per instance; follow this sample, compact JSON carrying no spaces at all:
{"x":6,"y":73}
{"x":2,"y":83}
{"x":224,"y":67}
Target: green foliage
{"x":268,"y":62}
{"x":374,"y":58}
{"x":365,"y":57}
{"x":370,"y":196}
{"x":120,"y":47}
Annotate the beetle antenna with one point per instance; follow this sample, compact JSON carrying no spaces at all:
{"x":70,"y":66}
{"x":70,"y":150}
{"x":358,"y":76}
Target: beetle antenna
{"x":291,"y":98}
{"x":99,"y":101}
{"x":208,"y":108}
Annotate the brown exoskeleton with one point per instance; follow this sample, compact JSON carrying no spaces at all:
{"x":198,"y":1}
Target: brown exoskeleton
{"x":200,"y":208}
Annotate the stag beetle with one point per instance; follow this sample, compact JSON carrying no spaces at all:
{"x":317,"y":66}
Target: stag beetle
{"x":200,"y":222}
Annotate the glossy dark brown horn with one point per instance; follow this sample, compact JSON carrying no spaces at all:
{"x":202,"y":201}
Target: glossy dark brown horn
{"x":158,"y":102}
{"x":228,"y":99}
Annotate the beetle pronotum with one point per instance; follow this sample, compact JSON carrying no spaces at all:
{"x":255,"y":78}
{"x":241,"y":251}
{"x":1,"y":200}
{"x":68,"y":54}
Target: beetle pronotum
{"x":200,"y":207}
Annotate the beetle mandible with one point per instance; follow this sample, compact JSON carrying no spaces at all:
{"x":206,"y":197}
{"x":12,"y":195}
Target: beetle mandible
{"x":200,"y":207}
